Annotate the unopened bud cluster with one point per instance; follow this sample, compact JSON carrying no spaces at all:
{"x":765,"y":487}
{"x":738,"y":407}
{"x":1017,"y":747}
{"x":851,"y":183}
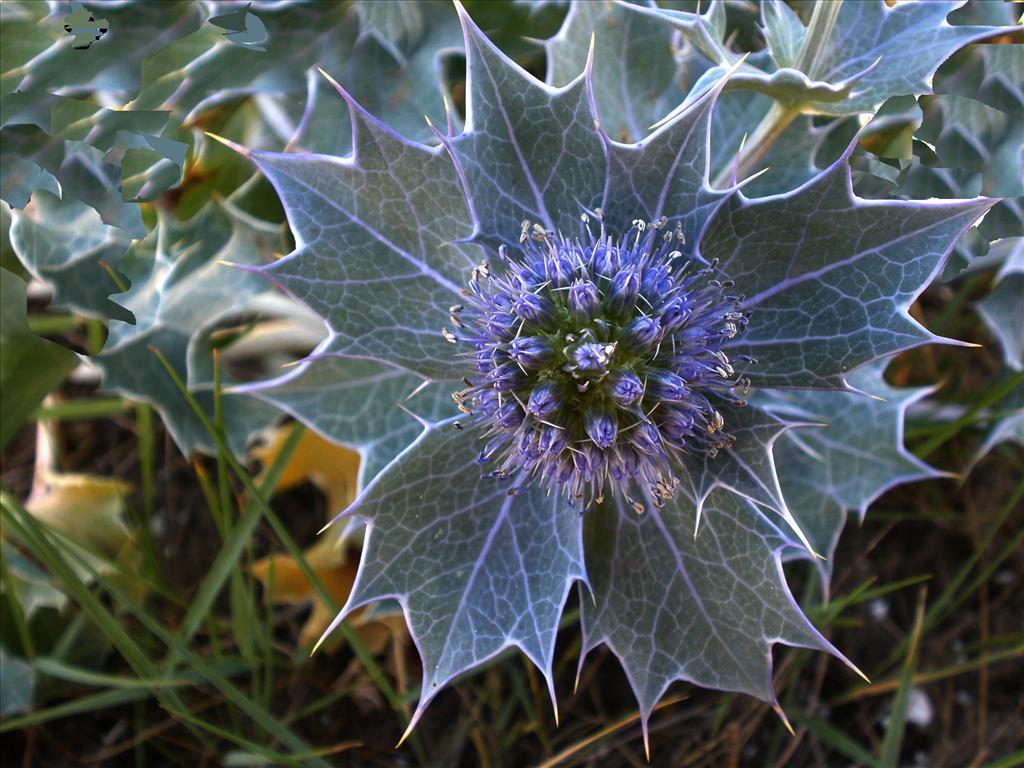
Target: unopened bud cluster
{"x":597,"y":361}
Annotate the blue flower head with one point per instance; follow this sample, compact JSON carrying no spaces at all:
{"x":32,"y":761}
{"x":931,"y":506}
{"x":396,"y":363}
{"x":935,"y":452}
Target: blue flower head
{"x":597,"y":358}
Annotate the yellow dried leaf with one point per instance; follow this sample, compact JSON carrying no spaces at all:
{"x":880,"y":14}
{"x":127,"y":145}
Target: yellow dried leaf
{"x":281,"y":577}
{"x":87,"y":509}
{"x":334,"y":469}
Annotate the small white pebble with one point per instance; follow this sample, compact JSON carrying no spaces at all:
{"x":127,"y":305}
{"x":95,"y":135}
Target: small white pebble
{"x":879,"y":609}
{"x":919,"y":708}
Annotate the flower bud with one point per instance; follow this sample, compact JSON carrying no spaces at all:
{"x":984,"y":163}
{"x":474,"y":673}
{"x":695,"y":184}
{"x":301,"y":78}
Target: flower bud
{"x":486,"y":401}
{"x":656,"y":281}
{"x":544,"y":400}
{"x":583,"y":462}
{"x":506,"y":377}
{"x":591,"y":358}
{"x":666,"y":385}
{"x":559,"y":269}
{"x":552,"y":440}
{"x":509,"y":415}
{"x":528,"y":446}
{"x":601,"y":426}
{"x":563,"y":470}
{"x":646,"y":438}
{"x":533,"y":309}
{"x":606,"y":260}
{"x":624,"y":290}
{"x":500,"y":326}
{"x":628,"y":464}
{"x":584,"y":303}
{"x":597,"y":459}
{"x":674,"y":313}
{"x":677,"y":424}
{"x":531,"y":351}
{"x":643,"y":333}
{"x":489,"y":359}
{"x":625,"y":388}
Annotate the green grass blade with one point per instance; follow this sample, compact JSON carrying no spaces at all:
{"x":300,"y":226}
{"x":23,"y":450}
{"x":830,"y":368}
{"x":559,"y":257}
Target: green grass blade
{"x":86,"y":704}
{"x":142,"y":665}
{"x":889,"y":756}
{"x":835,"y":739}
{"x":1010,"y":761}
{"x":234,"y":545}
{"x":147,"y":465}
{"x":35,"y":536}
{"x":953,"y":593}
{"x":347,"y":632}
{"x":969,"y":417}
{"x":100,"y":408}
{"x":72,"y":674}
{"x":17,"y":614}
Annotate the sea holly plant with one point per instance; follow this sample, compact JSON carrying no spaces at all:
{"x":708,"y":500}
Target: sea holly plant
{"x":626,"y":344}
{"x":605,"y":315}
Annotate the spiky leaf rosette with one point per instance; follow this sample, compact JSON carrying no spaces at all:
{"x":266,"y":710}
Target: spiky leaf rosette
{"x":587,"y":299}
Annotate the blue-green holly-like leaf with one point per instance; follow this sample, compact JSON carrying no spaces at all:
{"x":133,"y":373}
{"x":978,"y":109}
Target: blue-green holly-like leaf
{"x":64,"y":243}
{"x":746,"y":467}
{"x":857,"y":453}
{"x":393,"y":22}
{"x":377,"y":255}
{"x":18,"y":680}
{"x":136,"y":141}
{"x":634,"y":71}
{"x":202,"y":69}
{"x":828,"y":277}
{"x":1003,"y":309}
{"x":665,"y":175}
{"x":358,"y":403}
{"x":510,"y":175}
{"x":704,"y":609}
{"x":476,"y":566}
{"x":704,"y":31}
{"x":179,"y":289}
{"x":43,"y":59}
{"x":30,"y":367}
{"x":909,"y":40}
{"x":783,"y":31}
{"x":970,"y":135}
{"x":397,"y":85}
{"x":21,"y":178}
{"x":988,"y":73}
{"x":1008,"y":428}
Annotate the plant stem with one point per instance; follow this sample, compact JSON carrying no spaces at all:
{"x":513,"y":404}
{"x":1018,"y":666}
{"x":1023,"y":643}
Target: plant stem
{"x":819,"y":32}
{"x":765,"y":134}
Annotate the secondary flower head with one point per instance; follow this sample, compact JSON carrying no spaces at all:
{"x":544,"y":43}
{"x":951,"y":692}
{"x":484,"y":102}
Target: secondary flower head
{"x":598,"y":359}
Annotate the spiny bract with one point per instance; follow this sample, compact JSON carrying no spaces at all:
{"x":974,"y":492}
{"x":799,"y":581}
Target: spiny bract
{"x":604,"y":355}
